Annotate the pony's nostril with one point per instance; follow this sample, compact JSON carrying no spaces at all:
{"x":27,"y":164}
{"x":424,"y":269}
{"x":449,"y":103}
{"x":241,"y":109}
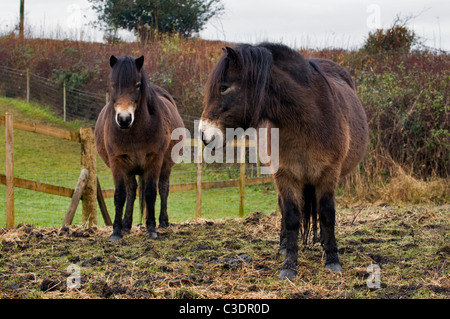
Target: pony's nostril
{"x":206,"y":140}
{"x":203,"y":138}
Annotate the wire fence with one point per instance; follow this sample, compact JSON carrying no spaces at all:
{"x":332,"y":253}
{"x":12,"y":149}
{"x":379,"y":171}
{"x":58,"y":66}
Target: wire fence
{"x":64,"y":101}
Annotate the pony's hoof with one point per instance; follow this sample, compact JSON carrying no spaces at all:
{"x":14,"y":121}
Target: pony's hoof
{"x":287,"y":274}
{"x":126,"y":231}
{"x":115,"y":237}
{"x":336,"y":267}
{"x":163,"y":225}
{"x":152,"y":234}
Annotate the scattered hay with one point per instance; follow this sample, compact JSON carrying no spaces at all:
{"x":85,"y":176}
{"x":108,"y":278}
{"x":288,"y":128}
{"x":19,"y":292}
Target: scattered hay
{"x":233,"y":258}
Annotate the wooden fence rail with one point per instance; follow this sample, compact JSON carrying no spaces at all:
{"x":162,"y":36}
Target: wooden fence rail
{"x":92,"y":192}
{"x":38,"y":186}
{"x":42,"y":129}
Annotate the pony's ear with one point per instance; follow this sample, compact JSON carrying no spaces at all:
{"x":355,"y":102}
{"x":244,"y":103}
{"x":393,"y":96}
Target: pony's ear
{"x":112,"y":60}
{"x":139,"y":62}
{"x":231,"y":54}
{"x":233,"y":57}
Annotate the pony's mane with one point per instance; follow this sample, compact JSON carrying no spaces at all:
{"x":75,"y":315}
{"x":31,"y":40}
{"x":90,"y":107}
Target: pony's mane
{"x":289,"y":61}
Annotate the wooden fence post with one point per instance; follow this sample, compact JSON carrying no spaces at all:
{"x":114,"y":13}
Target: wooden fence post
{"x":242,"y":176}
{"x":102,"y":205}
{"x":89,"y":161}
{"x":258,"y":165}
{"x":81,"y":184}
{"x":28,"y":85}
{"x":198,"y":204}
{"x":9,"y":167}
{"x":64,"y":101}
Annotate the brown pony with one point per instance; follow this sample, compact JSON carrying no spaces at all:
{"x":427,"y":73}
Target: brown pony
{"x":133,"y":137}
{"x":323,"y":132}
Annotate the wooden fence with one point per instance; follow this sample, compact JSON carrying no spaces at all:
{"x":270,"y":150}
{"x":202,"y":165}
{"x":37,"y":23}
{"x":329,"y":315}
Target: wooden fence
{"x":88,"y":187}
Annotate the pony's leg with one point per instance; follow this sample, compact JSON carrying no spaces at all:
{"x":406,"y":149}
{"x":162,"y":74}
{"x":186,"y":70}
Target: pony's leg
{"x":291,"y":215}
{"x":327,"y":218}
{"x":290,"y":197}
{"x":282,"y":249}
{"x":131,"y":186}
{"x":150,"y":198}
{"x":120,"y":196}
{"x":163,"y":186}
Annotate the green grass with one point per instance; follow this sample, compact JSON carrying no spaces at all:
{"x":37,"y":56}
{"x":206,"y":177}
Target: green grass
{"x":36,"y":113}
{"x":45,"y":210}
{"x":55,"y":161}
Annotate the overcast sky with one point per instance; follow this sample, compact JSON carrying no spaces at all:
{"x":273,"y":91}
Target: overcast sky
{"x":311,"y":23}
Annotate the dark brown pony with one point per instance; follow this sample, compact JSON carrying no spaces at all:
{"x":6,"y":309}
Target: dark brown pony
{"x":323,"y":132}
{"x":133,"y":137}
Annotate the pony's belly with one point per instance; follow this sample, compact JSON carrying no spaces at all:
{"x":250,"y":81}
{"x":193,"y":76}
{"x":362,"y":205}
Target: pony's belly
{"x":305,"y":166}
{"x":303,"y":172}
{"x":135,"y":163}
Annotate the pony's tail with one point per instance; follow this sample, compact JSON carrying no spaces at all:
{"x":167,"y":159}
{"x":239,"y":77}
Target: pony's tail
{"x":141,"y":188}
{"x":310,"y":213}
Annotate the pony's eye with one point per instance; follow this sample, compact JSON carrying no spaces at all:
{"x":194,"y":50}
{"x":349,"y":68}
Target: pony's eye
{"x":224,"y":89}
{"x":138,"y":85}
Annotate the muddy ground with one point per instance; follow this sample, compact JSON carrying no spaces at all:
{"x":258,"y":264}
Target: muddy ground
{"x":233,"y":258}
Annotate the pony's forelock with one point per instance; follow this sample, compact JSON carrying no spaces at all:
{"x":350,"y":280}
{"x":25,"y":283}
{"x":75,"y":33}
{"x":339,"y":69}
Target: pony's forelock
{"x":257,"y":65}
{"x":124,"y":73}
{"x":215,"y":78}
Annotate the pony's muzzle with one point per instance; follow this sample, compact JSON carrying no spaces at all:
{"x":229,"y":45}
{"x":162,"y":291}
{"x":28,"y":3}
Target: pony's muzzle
{"x":208,"y":131}
{"x":124,"y":119}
